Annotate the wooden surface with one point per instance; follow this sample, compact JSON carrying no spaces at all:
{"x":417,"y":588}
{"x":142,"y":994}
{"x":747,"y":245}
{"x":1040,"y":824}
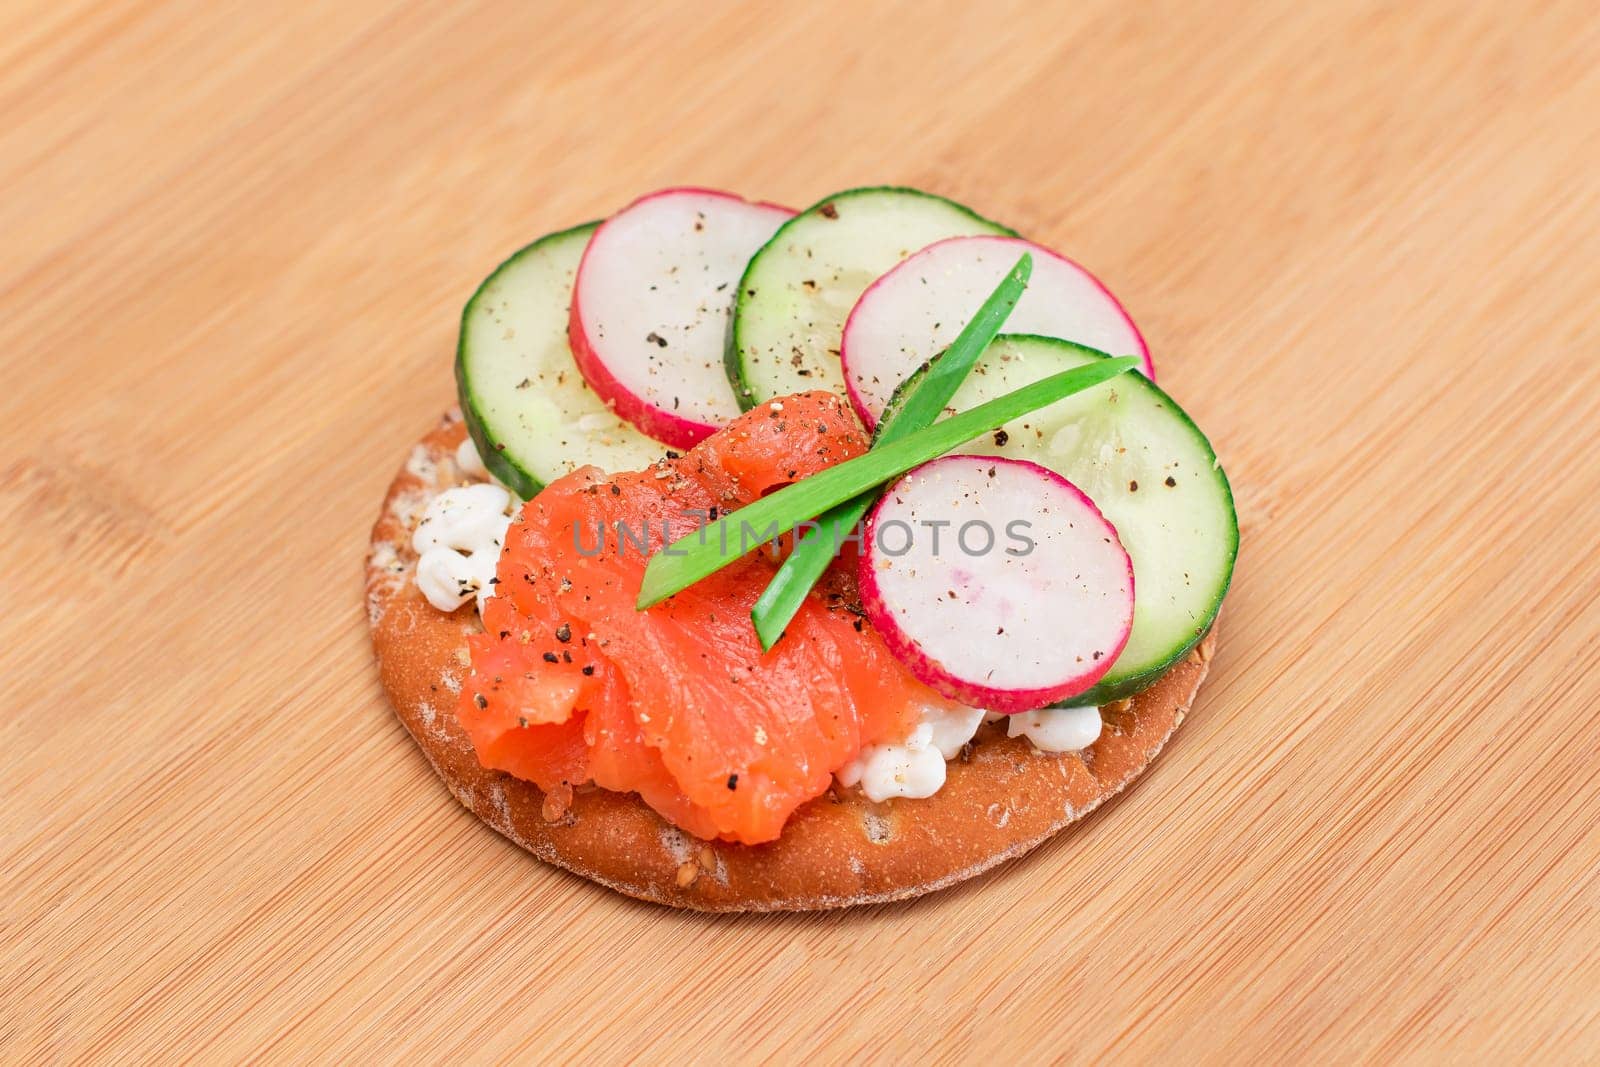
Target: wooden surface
{"x":1362,"y":241}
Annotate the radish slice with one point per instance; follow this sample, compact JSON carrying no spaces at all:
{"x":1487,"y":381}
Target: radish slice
{"x":913,"y":312}
{"x":996,"y":582}
{"x":651,"y":304}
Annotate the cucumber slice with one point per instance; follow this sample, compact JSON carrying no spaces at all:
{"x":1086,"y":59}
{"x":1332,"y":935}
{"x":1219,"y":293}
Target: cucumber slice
{"x":799,"y":288}
{"x":1149,"y":470}
{"x":527,"y":407}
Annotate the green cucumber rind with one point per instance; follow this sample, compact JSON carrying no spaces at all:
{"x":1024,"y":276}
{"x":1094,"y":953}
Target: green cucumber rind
{"x":732,"y":359}
{"x":1107,"y":692}
{"x":502,"y":466}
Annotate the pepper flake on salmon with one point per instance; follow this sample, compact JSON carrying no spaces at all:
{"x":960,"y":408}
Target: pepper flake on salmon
{"x":679,"y":704}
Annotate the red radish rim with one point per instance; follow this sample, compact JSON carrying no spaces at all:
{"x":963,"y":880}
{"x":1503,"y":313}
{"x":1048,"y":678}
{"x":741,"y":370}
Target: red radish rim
{"x":675,"y":431}
{"x":931,"y":671}
{"x":859,"y":402}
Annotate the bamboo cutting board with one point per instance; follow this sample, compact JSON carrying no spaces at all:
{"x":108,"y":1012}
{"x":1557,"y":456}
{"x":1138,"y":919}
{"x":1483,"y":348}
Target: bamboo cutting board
{"x":1362,"y":240}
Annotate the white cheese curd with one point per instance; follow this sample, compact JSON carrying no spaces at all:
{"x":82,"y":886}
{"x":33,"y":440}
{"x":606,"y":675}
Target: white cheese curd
{"x":952,"y":729}
{"x":466,"y":518}
{"x":447,"y":578}
{"x":458,"y":544}
{"x":1057,"y":729}
{"x":913,"y":767}
{"x":469,"y":461}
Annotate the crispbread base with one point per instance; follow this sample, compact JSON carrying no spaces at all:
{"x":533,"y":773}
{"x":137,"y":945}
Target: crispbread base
{"x":1001,"y":799}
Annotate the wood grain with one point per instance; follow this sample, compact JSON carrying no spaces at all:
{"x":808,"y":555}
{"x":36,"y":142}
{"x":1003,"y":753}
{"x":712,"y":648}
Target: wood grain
{"x":1361,"y":239}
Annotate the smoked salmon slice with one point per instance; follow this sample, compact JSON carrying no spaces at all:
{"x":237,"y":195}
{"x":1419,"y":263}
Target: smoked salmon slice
{"x":679,"y":704}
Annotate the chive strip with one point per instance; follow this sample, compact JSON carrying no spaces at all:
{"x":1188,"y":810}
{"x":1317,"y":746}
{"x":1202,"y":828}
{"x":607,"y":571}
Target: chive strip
{"x":704,"y":552}
{"x":816,"y":549}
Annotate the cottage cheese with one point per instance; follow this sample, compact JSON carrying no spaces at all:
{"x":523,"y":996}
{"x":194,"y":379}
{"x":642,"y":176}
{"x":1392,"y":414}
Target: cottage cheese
{"x":915,"y":767}
{"x":458,"y":544}
{"x":1057,"y":729}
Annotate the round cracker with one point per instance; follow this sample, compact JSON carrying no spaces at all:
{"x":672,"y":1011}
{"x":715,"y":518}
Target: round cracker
{"x":1002,"y":797}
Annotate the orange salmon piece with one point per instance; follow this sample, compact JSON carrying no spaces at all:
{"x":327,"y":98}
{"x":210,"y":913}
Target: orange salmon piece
{"x":679,"y":703}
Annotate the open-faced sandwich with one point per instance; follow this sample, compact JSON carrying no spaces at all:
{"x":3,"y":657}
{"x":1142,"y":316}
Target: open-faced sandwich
{"x":786,"y":561}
